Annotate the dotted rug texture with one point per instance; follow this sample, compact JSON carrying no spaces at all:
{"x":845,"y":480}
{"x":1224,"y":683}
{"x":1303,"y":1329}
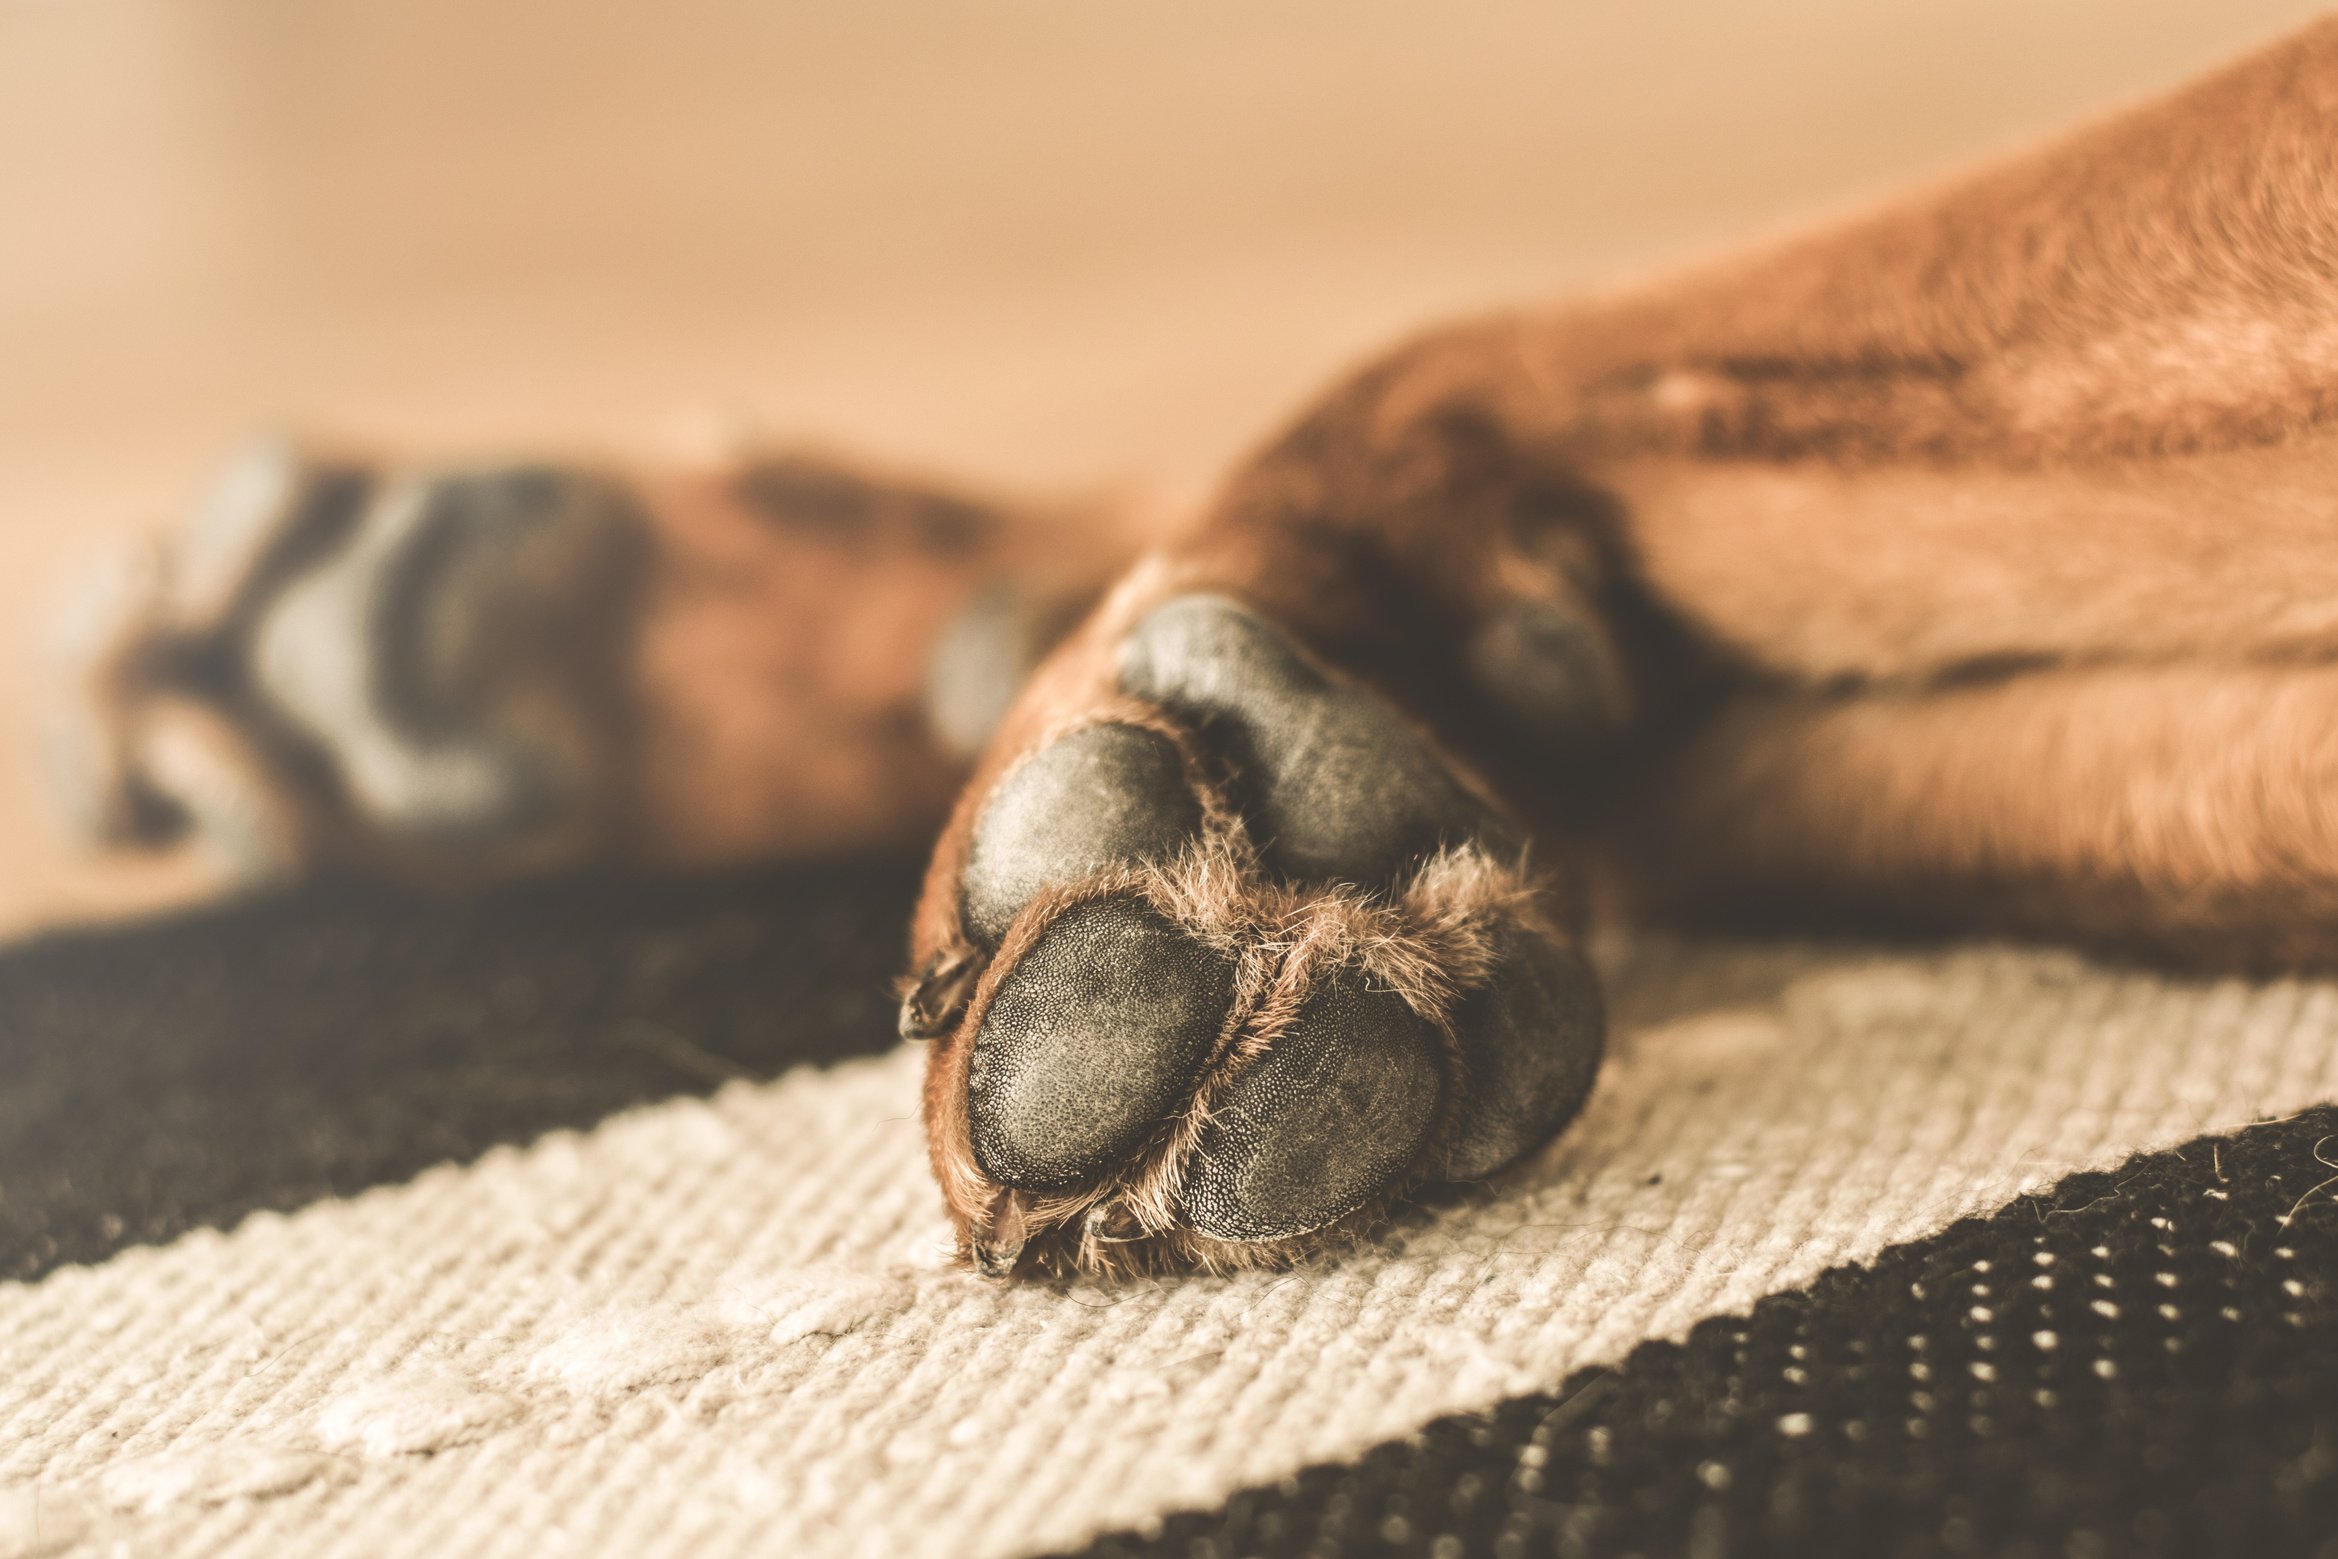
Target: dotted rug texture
{"x":724,"y":1325}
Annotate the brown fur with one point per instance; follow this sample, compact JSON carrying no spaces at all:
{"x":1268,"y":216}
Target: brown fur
{"x":1971,"y":563}
{"x":2186,"y":808}
{"x":758,"y":687}
{"x":1967,"y":564}
{"x":2067,"y":416}
{"x":782,"y":660}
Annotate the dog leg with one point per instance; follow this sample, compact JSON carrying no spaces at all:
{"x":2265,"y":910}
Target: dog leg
{"x":2068,"y":412}
{"x":471,"y":672}
{"x":2185,"y":809}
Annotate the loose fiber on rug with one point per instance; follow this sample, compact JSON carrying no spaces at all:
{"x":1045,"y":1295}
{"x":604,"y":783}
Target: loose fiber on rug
{"x":594,"y":1218}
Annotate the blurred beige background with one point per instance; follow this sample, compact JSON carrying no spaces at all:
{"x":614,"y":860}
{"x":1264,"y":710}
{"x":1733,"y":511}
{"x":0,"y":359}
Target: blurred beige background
{"x":1046,"y":243}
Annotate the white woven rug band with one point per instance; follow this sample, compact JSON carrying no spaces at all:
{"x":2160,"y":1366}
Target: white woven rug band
{"x":726,"y":1326}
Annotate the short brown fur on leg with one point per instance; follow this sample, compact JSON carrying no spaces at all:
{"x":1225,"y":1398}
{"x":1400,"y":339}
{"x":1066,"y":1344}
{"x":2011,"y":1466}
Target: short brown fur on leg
{"x":2072,"y":411}
{"x":752,"y":676}
{"x":2187,"y":810}
{"x":1892,"y":447}
{"x":1945,"y":556}
{"x":784,"y":654}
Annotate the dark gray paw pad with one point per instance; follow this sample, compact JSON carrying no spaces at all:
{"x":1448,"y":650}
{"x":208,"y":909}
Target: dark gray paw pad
{"x":1322,"y":1122}
{"x":1104,"y":796}
{"x":1531,"y":1041}
{"x":1091,"y":1039}
{"x":1338,"y":788}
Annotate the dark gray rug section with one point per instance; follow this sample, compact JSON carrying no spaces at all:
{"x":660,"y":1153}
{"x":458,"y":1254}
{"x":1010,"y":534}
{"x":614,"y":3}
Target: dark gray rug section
{"x":188,"y":1071}
{"x":2142,"y":1362}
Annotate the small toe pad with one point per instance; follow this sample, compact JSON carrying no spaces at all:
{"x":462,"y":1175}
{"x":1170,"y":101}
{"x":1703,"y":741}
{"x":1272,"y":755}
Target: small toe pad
{"x":1325,"y":1119}
{"x":1092,"y":1037}
{"x":1337,"y":787}
{"x":1549,"y":672}
{"x":1531,"y":1042}
{"x":1103,"y":796}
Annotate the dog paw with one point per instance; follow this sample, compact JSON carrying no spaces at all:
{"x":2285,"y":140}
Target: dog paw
{"x":326,"y":658}
{"x":449,"y":655}
{"x":463,"y":673}
{"x":1239,"y":960}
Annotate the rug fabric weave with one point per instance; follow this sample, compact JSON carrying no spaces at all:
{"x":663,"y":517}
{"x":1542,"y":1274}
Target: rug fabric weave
{"x":2138,"y":1362}
{"x":727,"y":1324}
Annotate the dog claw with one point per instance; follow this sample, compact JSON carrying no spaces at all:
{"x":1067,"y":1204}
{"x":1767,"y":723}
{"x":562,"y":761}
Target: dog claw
{"x":999,"y":1246}
{"x":936,"y":999}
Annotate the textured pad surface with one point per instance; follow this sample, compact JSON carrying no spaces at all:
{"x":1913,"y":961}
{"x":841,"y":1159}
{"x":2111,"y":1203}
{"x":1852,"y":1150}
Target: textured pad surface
{"x":1531,"y":1041}
{"x":1094,"y":1036}
{"x":1322,"y":1122}
{"x":1103,"y":796}
{"x":1335,"y":786}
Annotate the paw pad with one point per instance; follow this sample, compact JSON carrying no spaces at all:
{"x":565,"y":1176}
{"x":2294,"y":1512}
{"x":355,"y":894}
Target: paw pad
{"x":1102,"y":796}
{"x":1335,"y":787}
{"x":1334,"y":1108}
{"x":1259,"y":961}
{"x":446,"y":661}
{"x":1089,"y":1040}
{"x":1530,"y":1046}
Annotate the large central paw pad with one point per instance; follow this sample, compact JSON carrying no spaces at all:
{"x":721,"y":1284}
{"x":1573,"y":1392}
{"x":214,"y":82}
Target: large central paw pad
{"x":1254,"y":961}
{"x":1333,"y":785}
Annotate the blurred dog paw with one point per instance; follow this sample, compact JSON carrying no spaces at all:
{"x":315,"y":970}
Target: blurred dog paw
{"x":469,"y":672}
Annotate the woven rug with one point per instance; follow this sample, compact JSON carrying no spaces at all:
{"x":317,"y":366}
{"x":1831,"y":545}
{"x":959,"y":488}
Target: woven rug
{"x":594,"y":1218}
